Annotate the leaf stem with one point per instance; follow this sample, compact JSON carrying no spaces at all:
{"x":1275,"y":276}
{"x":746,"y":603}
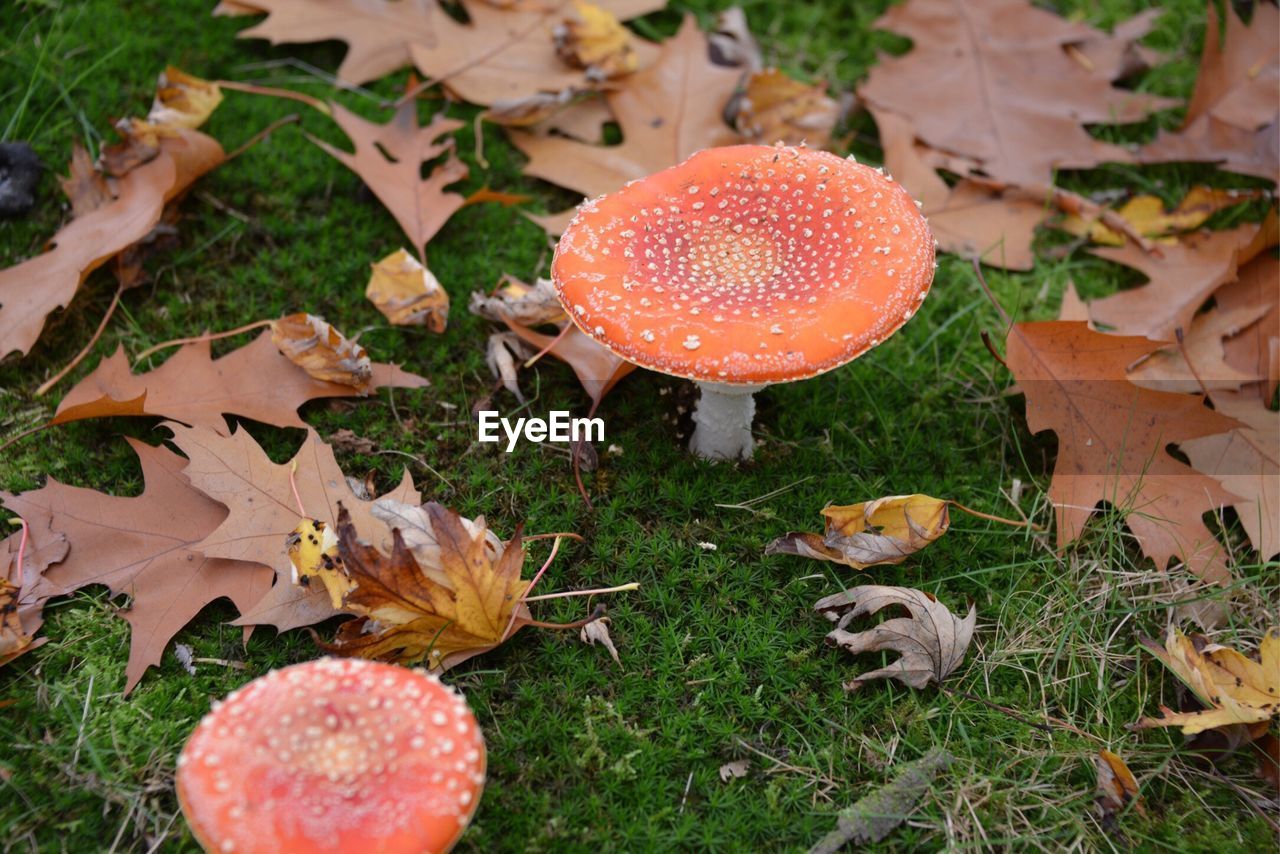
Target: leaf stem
{"x":272,"y":91}
{"x":22,"y":548}
{"x":1025,"y":523}
{"x":208,"y":336}
{"x":56,"y":378}
{"x":547,"y":349}
{"x":258,"y":137}
{"x":621,"y":588}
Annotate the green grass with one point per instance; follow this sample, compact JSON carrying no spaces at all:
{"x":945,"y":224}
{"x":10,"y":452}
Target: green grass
{"x":723,"y":656}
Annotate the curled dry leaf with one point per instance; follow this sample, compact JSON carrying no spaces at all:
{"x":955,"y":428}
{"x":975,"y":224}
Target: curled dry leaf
{"x":1149,"y":218}
{"x":322,"y":351}
{"x":776,"y":108}
{"x":1117,"y":788}
{"x":420,"y":534}
{"x":593,"y":38}
{"x":732,"y":43}
{"x":407,"y":615}
{"x":884,"y":531}
{"x":1232,"y":688}
{"x":85,"y":187}
{"x":20,"y":607}
{"x":183,"y":100}
{"x":597,"y":631}
{"x":407,"y":293}
{"x":503,"y":354}
{"x":932,"y":641}
{"x":530,"y":305}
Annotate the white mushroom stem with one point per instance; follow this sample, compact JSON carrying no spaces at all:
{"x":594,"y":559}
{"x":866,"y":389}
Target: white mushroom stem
{"x":723,"y":418}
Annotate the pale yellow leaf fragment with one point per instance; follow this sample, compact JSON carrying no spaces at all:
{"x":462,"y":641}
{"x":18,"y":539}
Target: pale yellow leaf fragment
{"x":407,"y":293}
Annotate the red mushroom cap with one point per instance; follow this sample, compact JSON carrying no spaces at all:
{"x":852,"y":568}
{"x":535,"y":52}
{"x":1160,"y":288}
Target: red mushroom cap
{"x":748,"y":264}
{"x":333,"y":755}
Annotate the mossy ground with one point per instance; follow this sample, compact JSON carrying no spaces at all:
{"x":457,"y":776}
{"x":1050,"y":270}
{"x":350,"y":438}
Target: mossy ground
{"x":722,"y":655}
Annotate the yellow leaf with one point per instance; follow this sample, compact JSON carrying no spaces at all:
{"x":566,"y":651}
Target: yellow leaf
{"x":1233,"y":689}
{"x":885,"y":531}
{"x":1117,"y":787}
{"x":183,"y":101}
{"x":322,"y":351}
{"x":776,"y":108}
{"x":595,"y":39}
{"x":313,"y":550}
{"x":1149,"y":218}
{"x":407,"y":293}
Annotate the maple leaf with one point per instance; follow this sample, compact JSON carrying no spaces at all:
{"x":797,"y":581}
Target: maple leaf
{"x":1233,"y":118}
{"x":144,"y":547}
{"x":667,"y":111}
{"x":407,"y":293}
{"x":254,"y":381}
{"x":501,"y":52}
{"x":1232,"y":688}
{"x":1113,"y":438}
{"x":234,"y":471}
{"x":884,"y":531}
{"x":1246,"y":461}
{"x":389,"y":158}
{"x":1181,"y":278}
{"x":462,"y":609}
{"x":31,"y":290}
{"x":21,"y":609}
{"x":931,"y":641}
{"x":991,"y":81}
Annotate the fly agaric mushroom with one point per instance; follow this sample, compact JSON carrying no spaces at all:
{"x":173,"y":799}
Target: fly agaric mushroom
{"x":335,"y":755}
{"x":745,"y":266}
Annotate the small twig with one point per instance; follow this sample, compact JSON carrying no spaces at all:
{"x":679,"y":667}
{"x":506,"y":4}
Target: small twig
{"x":982,"y":280}
{"x":272,"y":91}
{"x":688,"y":784}
{"x":547,"y":349}
{"x":621,"y":588}
{"x":208,"y":336}
{"x":991,"y":348}
{"x":1025,"y":523}
{"x":222,"y":662}
{"x":477,"y":127}
{"x":258,"y":137}
{"x":70,"y":366}
{"x":30,"y":431}
{"x":596,"y":614}
{"x":1186,"y":357}
{"x":22,"y":548}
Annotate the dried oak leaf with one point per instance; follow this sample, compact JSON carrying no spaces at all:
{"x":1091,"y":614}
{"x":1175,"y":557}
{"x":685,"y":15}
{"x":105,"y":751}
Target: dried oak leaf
{"x":969,"y":219}
{"x":1232,"y":688}
{"x":931,"y":641}
{"x":144,"y":547}
{"x":667,"y":111}
{"x":322,"y":351}
{"x":593,"y":39}
{"x":1200,"y":362}
{"x":407,"y":615}
{"x":1246,"y":462}
{"x":1257,"y":349}
{"x":777,"y":108}
{"x":500,"y":52}
{"x":389,"y":158}
{"x":884,"y":531}
{"x":1234,"y":117}
{"x":1113,"y":438}
{"x":234,"y":471}
{"x":991,"y":81}
{"x":407,"y":293}
{"x":1181,"y":278}
{"x":20,"y":606}
{"x":254,"y":381}
{"x":31,"y":290}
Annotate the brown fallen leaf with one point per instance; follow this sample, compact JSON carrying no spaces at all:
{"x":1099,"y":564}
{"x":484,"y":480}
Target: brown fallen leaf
{"x":597,"y":631}
{"x":732,"y":43}
{"x":667,"y":111}
{"x":1147,"y":215}
{"x":1112,"y":442}
{"x":1232,"y":688}
{"x":1073,"y":307}
{"x":1234,"y":117}
{"x":931,"y":641}
{"x":407,"y":293}
{"x":990,"y":81}
{"x":254,"y":381}
{"x":23,"y":565}
{"x":407,"y":616}
{"x":968,"y":219}
{"x":1246,"y":462}
{"x":144,"y":547}
{"x":31,"y":290}
{"x":884,"y":531}
{"x":597,"y":368}
{"x":389,"y":158}
{"x":85,"y":187}
{"x":1254,"y":349}
{"x":592,"y":38}
{"x":322,"y":351}
{"x":1200,"y":362}
{"x":499,"y":52}
{"x":1116,"y":788}
{"x":234,"y":471}
{"x":776,"y":108}
{"x":347,"y":440}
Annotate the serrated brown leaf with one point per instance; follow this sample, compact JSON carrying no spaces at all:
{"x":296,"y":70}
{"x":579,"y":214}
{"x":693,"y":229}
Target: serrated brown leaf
{"x":1255,"y":349}
{"x":1246,"y":461}
{"x":31,"y":290}
{"x":235,"y":472}
{"x":1200,"y":362}
{"x":143,"y":547}
{"x":254,"y":381}
{"x":389,"y":158}
{"x":667,"y":111}
{"x":500,"y":52}
{"x":931,"y":641}
{"x":990,"y":80}
{"x":408,"y":615}
{"x":1113,"y":438}
{"x":1234,"y":116}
